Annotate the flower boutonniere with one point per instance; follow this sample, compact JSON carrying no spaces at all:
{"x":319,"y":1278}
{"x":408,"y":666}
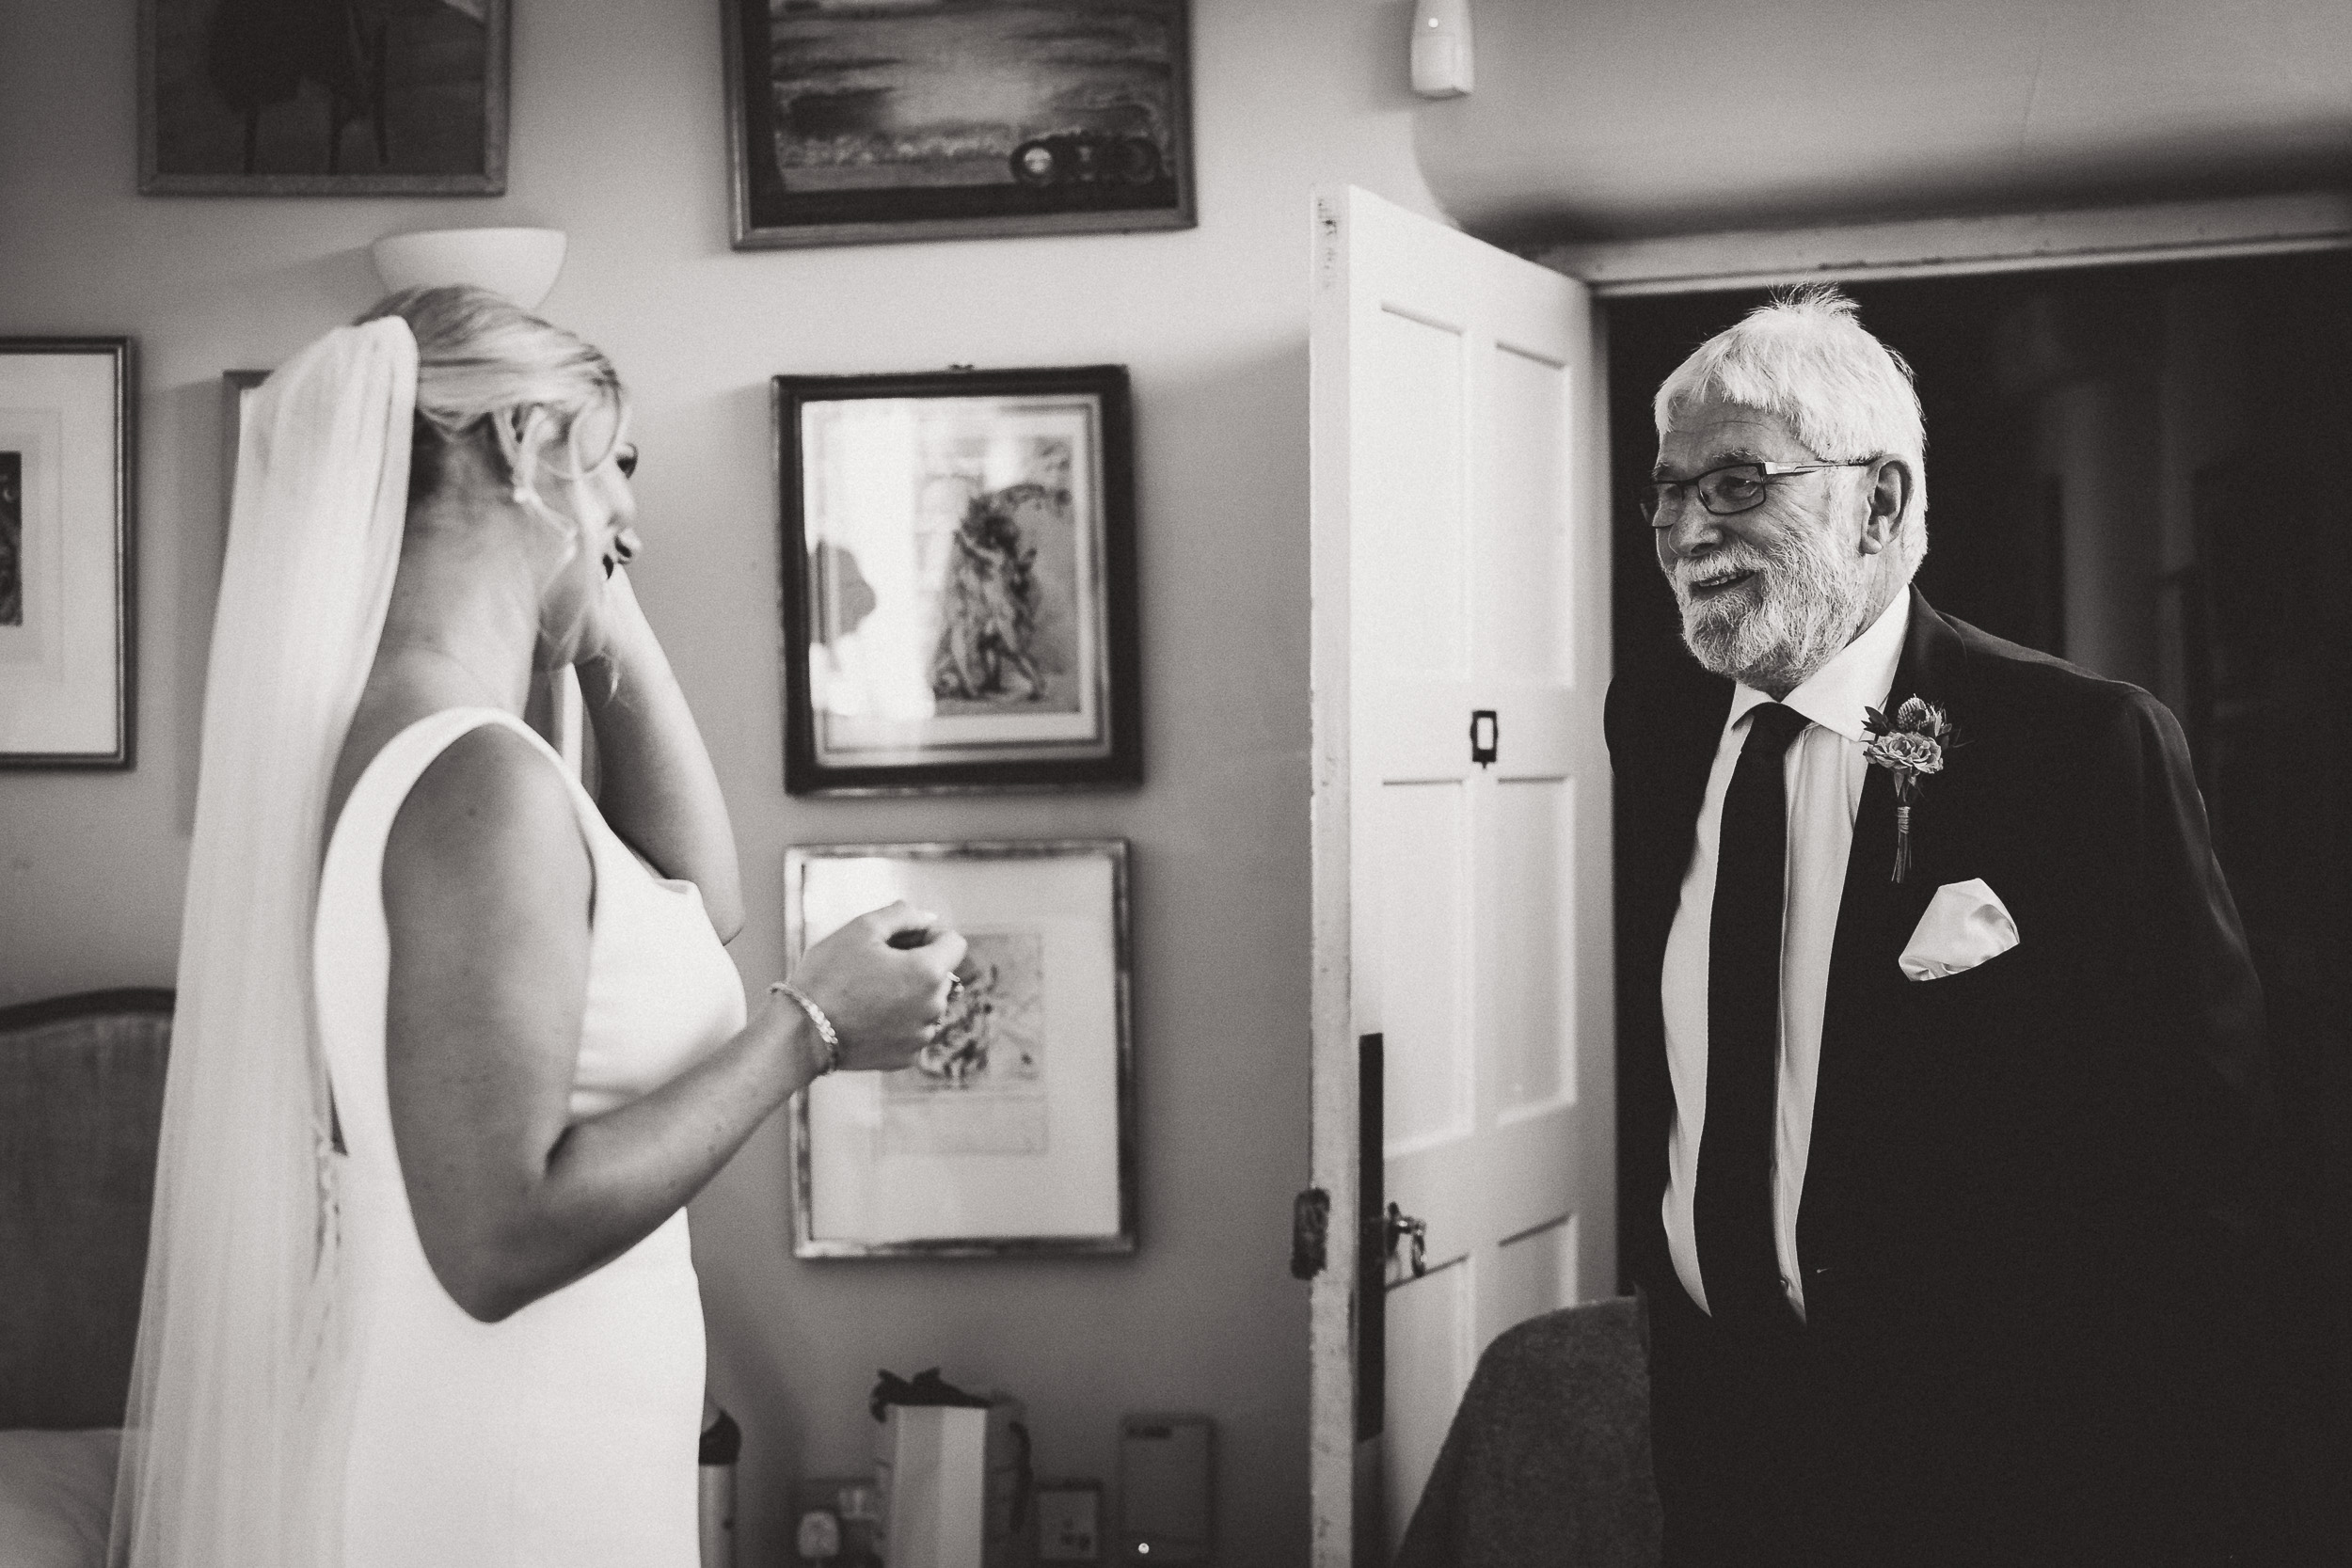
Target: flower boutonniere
{"x":1911,"y":746}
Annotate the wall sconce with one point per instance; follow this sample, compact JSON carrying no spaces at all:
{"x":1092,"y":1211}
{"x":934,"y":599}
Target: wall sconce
{"x":521,"y":264}
{"x":1441,"y":49}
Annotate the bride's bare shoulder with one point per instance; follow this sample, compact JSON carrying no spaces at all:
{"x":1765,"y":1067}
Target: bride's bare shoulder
{"x":489,"y":822}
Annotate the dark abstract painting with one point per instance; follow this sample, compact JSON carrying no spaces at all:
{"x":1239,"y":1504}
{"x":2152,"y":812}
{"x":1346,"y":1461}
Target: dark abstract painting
{"x":936,"y":118}
{"x":323,"y":97}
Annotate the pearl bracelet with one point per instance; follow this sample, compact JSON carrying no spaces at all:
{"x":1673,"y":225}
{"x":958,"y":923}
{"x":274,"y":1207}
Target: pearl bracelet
{"x":816,"y":1016}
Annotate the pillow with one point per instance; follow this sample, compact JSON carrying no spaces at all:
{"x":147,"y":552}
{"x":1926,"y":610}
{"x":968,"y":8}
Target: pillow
{"x":57,"y":1491}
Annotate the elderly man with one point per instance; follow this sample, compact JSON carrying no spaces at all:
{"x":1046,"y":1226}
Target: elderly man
{"x":1943,"y":1078}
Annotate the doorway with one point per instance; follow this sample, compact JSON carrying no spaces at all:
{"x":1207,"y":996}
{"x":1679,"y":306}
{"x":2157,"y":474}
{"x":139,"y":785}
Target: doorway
{"x":2144,"y":469}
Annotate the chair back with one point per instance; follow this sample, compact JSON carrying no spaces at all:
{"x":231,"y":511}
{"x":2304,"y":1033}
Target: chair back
{"x":1547,"y":1461}
{"x":80,"y":1099}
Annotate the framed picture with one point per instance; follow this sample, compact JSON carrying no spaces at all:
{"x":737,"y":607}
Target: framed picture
{"x":958,"y":581}
{"x":1069,"y":1521}
{"x":329,"y":97}
{"x":66,"y":634}
{"x":1014,"y":1134}
{"x":852,"y":121}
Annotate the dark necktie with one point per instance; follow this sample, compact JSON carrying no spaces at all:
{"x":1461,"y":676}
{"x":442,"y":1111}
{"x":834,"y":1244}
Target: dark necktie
{"x":1734,"y":1210}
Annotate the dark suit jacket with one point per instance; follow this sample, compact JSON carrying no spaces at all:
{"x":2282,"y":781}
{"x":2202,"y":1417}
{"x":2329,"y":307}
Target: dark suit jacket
{"x":2033,"y":1189}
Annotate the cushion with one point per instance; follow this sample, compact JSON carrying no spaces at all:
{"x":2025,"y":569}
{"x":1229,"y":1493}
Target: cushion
{"x":56,"y":1493}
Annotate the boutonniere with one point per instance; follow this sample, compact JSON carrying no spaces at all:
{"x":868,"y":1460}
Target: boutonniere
{"x":1911,"y":746}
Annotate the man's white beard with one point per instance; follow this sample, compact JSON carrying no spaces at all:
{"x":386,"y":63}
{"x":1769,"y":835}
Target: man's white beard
{"x":1810,"y":597}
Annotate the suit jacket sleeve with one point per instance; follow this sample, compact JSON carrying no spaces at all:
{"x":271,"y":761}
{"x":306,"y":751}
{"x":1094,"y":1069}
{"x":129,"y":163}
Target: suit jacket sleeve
{"x":2198,"y":1097}
{"x":1652,"y":848}
{"x":2172,"y":1182}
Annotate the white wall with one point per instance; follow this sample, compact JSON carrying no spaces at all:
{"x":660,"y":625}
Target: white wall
{"x":619,"y":138}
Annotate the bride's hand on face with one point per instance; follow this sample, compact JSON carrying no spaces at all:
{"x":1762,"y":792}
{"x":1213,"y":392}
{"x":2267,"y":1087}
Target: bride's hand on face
{"x":613,"y":625}
{"x":883,"y":981}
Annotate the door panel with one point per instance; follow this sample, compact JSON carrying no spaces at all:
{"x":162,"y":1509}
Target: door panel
{"x":1418,"y":879}
{"x":1461,"y":903}
{"x":1532,"y":622}
{"x":1534,"y":979}
{"x":1535,"y":1272}
{"x":1411,"y":574}
{"x":1436,"y":1313}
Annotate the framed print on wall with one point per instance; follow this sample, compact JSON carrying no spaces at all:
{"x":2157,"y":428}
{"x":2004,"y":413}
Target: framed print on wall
{"x":958,"y":581}
{"x":66,"y":650}
{"x":322,"y":97}
{"x":852,"y":121}
{"x":1014,"y":1132}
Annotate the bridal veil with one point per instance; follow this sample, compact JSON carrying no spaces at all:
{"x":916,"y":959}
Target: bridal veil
{"x":232,"y":1448}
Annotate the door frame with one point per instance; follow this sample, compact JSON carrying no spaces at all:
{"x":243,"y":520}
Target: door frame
{"x":1334,"y":1158}
{"x":1928,"y":247}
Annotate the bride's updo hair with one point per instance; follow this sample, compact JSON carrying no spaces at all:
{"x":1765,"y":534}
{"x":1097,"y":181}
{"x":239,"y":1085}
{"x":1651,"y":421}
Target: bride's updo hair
{"x":484,"y":361}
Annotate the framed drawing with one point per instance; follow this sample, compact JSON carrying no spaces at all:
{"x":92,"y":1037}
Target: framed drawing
{"x":1014,"y":1134}
{"x":67,"y":646}
{"x":852,"y":121}
{"x":322,"y":97}
{"x":958,"y":581}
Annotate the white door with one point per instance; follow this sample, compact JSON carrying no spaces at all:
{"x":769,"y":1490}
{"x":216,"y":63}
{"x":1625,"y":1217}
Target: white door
{"x":1462,"y":827}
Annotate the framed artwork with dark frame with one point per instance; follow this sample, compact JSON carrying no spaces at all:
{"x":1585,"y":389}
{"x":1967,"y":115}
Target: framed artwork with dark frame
{"x":853,"y":121}
{"x":1014,"y":1131}
{"x":322,"y":97}
{"x":959,"y":587}
{"x":68,"y":648}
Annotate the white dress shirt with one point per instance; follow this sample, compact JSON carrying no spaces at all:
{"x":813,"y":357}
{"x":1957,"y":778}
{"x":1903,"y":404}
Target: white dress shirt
{"x":1826,"y":770}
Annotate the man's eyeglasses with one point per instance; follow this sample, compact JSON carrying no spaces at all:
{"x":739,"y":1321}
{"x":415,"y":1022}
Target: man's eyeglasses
{"x":1733,"y":488}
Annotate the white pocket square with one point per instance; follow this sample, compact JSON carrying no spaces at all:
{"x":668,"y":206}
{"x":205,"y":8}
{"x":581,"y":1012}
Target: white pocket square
{"x":1966,"y":923}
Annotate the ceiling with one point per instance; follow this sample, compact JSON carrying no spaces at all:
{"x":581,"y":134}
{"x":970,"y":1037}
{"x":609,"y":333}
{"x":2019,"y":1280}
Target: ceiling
{"x":1618,"y":118}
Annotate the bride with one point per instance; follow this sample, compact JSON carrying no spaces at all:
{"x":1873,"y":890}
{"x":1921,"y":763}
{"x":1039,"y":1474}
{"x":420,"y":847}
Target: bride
{"x":418,"y":1288}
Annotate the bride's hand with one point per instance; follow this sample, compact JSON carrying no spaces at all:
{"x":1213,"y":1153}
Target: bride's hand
{"x":613,"y":632}
{"x":883,"y":981}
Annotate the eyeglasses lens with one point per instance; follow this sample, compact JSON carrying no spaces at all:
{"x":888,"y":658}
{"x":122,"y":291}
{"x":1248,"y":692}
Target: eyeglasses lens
{"x":1721,"y":491}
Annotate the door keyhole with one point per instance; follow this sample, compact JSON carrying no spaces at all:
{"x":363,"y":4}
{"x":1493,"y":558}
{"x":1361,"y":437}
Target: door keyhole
{"x":1400,"y":1224}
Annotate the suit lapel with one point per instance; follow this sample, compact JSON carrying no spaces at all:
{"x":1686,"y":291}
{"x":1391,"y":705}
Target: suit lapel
{"x":1875,"y":914}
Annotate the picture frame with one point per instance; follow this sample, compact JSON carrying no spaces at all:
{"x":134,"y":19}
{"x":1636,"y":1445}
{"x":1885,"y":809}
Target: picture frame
{"x":1014,"y":1135}
{"x":412,"y":100}
{"x":68,"y":632}
{"x":959,"y":593}
{"x":1070,"y":1520}
{"x":851,"y":123}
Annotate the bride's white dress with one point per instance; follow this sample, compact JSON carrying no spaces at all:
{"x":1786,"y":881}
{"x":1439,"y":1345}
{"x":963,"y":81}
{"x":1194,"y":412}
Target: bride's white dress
{"x":564,"y":1436}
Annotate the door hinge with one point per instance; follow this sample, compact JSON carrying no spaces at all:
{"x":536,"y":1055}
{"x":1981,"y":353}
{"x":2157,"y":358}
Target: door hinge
{"x":1311,"y":1229}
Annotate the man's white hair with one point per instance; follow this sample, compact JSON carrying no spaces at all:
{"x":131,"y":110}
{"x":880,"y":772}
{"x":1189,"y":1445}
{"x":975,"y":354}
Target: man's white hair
{"x":1805,"y":359}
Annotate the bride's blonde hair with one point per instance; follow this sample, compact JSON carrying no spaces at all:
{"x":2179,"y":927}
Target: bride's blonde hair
{"x":483,"y":361}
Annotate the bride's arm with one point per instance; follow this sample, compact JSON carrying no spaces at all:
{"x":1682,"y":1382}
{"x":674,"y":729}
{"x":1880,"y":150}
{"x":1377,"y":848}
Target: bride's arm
{"x":655,"y":781}
{"x":487,"y":887}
